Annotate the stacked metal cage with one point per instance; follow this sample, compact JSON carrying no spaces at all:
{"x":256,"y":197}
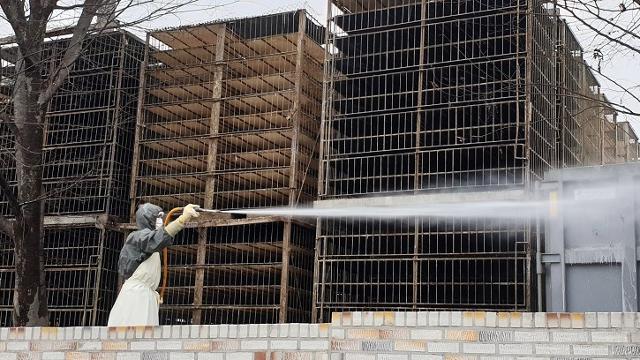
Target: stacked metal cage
{"x":443,"y":96}
{"x":229,"y":119}
{"x":88,"y":146}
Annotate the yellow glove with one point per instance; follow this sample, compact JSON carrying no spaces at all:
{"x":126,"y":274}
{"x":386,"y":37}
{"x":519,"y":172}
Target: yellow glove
{"x":188,"y":212}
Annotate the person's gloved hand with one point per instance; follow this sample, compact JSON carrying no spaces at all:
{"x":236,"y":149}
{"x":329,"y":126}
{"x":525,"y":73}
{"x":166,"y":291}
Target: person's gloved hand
{"x":188,"y":212}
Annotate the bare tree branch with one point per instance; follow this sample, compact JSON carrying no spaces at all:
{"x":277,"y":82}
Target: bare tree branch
{"x":56,"y":80}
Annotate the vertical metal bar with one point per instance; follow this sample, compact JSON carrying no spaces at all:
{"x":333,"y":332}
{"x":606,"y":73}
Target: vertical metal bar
{"x":296,"y":117}
{"x":138,"y":132}
{"x":214,"y":129}
{"x":97,"y":285}
{"x":315,"y":306}
{"x":116,"y":123}
{"x":417,"y":184}
{"x":214,"y":121}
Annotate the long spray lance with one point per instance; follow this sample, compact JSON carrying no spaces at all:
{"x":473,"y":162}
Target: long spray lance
{"x":165,"y":252}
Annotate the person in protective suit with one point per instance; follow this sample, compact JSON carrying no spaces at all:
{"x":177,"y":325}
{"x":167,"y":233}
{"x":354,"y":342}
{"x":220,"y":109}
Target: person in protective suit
{"x":139,"y":264}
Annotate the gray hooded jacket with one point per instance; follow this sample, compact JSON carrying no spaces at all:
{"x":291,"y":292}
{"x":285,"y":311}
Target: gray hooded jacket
{"x":141,"y":244}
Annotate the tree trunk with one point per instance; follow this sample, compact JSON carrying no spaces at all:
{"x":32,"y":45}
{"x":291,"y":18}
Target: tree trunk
{"x":30,"y":296}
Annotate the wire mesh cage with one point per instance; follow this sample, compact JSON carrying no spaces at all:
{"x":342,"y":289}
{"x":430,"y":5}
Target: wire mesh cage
{"x":240,"y":279}
{"x":229,"y":119}
{"x":89,"y":127}
{"x":446,"y":96}
{"x":81,"y":275}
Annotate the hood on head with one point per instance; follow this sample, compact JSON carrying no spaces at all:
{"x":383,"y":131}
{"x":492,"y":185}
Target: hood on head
{"x":146,"y":216}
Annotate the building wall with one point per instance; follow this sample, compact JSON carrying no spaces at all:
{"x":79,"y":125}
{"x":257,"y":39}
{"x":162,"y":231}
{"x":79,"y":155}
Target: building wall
{"x":350,"y":336}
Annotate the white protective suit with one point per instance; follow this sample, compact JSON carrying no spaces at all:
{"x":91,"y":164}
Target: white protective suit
{"x":138,"y":301}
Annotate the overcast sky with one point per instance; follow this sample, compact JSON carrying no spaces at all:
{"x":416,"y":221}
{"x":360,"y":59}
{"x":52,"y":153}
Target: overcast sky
{"x":621,"y":65}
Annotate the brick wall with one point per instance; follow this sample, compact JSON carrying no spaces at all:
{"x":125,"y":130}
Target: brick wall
{"x":350,"y":336}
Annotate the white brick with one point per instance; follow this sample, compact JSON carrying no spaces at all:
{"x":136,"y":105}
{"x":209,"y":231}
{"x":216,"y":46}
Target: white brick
{"x":479,"y":348}
{"x":128,"y":356}
{"x":570,"y":336}
{"x":314,"y":330}
{"x":17,"y":345}
{"x":527,"y":320}
{"x":243,"y":331}
{"x":239,"y":356}
{"x":254,"y":345}
{"x":90,"y":346}
{"x":210,"y":356}
{"x":456,"y":318}
{"x":314,"y":345}
{"x":263,"y":330}
{"x":223,"y":331}
{"x":4,"y":333}
{"x":629,"y":320}
{"x":166,"y":332}
{"x":143,"y":345}
{"x":357,"y":319}
{"x":233,"y":332}
{"x":412,"y":318}
{"x":443,"y":347}
{"x":338,"y":333}
{"x":516,"y":349}
{"x":467,"y":319}
{"x":591,"y":350}
{"x":433,"y":318}
{"x":181,"y":356}
{"x":445,"y":318}
{"x":531,"y":336}
{"x":283,"y":330}
{"x":52,"y":356}
{"x":284,"y":344}
{"x":169,"y":345}
{"x":609,"y":336}
{"x":304,"y":330}
{"x":253,"y":331}
{"x":492,"y":319}
{"x":540,"y":320}
{"x":426,"y":334}
{"x":204,"y":332}
{"x":425,"y":357}
{"x":603,"y":319}
{"x":213,"y":331}
{"x":8,"y":356}
{"x":616,"y":319}
{"x":294,"y":330}
{"x":392,"y":357}
{"x":590,"y":320}
{"x":553,"y":349}
{"x":354,"y":356}
{"x":175,"y":332}
{"x":399,"y":318}
{"x":423,"y":319}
